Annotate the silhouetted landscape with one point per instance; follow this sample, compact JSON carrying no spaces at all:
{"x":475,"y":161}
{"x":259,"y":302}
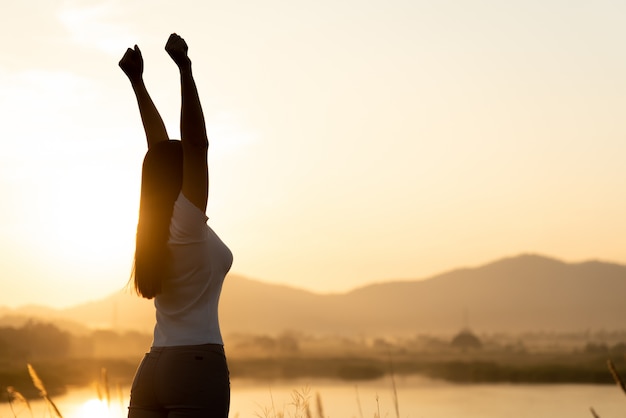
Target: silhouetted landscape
{"x":524,"y":319}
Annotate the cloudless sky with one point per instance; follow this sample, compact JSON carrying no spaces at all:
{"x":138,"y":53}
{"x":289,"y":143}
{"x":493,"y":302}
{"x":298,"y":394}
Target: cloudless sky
{"x":351,"y":141}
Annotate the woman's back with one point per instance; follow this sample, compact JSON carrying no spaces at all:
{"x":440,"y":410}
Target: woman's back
{"x":187,"y":306}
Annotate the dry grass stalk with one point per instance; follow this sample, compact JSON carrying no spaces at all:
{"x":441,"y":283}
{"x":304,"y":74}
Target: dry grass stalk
{"x":42,"y":390}
{"x":300,"y":402}
{"x":265,"y":413}
{"x":320,"y":406}
{"x":593,"y":412}
{"x":395,"y":391}
{"x":102,"y":387}
{"x":377,"y":414}
{"x":358,"y":401}
{"x":105,"y":383}
{"x":16,"y":398}
{"x":120,"y":395}
{"x":616,"y":375}
{"x":273,"y":405}
{"x":270,"y":412}
{"x":37,"y":381}
{"x":99,"y":391}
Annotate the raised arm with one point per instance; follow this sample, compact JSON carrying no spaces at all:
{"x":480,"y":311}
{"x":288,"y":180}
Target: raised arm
{"x":132,"y":65}
{"x":192,"y":128}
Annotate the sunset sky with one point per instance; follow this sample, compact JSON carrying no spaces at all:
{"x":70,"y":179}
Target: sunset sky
{"x":351,"y":141}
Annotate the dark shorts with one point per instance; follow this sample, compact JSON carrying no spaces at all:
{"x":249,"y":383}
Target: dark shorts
{"x":181,"y":382}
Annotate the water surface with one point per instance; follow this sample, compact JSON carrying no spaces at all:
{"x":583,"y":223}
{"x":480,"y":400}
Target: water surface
{"x":416,"y":397}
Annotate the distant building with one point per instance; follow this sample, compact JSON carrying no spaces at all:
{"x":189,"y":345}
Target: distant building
{"x":466,"y":340}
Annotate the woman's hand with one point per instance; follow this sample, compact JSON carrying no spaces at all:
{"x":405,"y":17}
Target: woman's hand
{"x":177,"y":48}
{"x":132,"y":64}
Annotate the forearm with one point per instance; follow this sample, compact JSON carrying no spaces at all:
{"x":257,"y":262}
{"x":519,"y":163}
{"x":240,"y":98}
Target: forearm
{"x":192,"y":128}
{"x":152,"y":122}
{"x":192,"y":123}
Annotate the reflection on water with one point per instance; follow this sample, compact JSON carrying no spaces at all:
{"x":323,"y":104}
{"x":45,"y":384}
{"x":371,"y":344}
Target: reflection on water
{"x":95,"y":408}
{"x":416,"y":397}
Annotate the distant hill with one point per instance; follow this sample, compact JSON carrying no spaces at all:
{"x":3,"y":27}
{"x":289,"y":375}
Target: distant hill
{"x":518,"y":294}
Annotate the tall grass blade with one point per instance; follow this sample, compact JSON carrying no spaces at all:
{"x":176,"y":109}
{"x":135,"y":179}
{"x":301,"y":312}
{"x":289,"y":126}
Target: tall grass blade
{"x":120,"y":395}
{"x":358,"y":401}
{"x":54,"y":408}
{"x":593,"y":412}
{"x":377,"y":414}
{"x":273,"y":405}
{"x":616,"y":375}
{"x":37,"y":382}
{"x":99,"y":391}
{"x":320,"y":406}
{"x":393,"y":385}
{"x":300,"y":402}
{"x":17,"y":398}
{"x":105,"y":383}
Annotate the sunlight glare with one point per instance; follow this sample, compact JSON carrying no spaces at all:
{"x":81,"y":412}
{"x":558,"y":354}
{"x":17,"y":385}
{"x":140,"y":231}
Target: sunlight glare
{"x":94,"y":408}
{"x":90,"y":228}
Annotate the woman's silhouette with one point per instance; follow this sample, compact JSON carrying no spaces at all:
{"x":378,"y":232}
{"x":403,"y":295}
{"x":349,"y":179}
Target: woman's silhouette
{"x":179,"y":260}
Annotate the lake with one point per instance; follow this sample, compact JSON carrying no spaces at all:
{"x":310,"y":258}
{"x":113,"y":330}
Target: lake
{"x":417,"y":397}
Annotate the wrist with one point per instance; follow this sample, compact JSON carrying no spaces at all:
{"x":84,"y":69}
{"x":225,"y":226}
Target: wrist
{"x":185,"y":67}
{"x":136,"y":81}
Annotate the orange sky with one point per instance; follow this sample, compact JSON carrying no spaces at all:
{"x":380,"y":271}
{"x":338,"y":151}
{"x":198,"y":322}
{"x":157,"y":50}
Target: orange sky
{"x":351,"y":142}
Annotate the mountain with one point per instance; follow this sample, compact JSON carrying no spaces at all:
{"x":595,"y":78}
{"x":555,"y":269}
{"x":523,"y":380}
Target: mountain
{"x":524,"y":293}
{"x":518,"y":294}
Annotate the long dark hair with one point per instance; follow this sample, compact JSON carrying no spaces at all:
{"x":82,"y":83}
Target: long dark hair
{"x":161,"y":182}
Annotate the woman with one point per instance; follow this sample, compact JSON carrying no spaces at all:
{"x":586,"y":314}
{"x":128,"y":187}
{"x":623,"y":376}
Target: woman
{"x":179,"y":260}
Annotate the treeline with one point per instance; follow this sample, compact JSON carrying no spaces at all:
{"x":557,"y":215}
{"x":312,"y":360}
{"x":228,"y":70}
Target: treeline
{"x":33,"y":340}
{"x":63,"y":358}
{"x":37,"y":340}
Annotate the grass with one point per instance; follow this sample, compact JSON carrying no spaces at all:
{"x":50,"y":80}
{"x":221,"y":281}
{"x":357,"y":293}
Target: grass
{"x":18,"y":402}
{"x":616,"y":375}
{"x":16,"y":398}
{"x":301,"y":403}
{"x":618,"y":380}
{"x":42,"y":391}
{"x":299,"y":407}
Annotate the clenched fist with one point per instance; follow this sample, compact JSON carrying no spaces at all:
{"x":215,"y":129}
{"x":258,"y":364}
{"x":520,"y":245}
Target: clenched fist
{"x":132,"y":63}
{"x":177,"y":48}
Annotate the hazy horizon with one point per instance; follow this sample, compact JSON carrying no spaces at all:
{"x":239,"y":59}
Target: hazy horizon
{"x":129,"y":290}
{"x":526,"y":259}
{"x":351,"y":142}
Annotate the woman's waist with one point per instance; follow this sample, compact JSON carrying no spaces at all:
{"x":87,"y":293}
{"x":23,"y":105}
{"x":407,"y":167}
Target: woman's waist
{"x":213,"y":348}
